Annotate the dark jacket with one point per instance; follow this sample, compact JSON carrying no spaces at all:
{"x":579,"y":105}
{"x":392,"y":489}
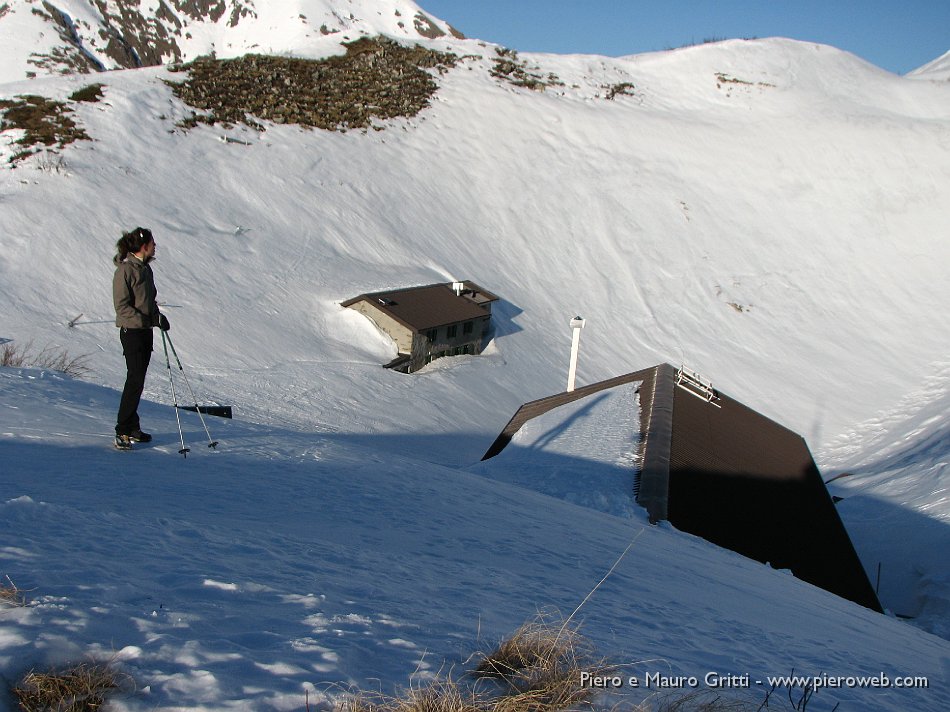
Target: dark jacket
{"x":134,"y":294}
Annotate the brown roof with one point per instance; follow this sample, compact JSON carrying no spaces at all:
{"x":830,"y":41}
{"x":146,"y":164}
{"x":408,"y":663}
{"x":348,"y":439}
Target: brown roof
{"x":722,"y":471}
{"x":429,"y":306}
{"x":751,"y":485}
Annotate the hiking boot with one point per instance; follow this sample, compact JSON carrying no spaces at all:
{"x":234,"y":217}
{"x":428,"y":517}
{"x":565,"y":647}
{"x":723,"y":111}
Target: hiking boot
{"x":123,"y":442}
{"x":138,"y":436}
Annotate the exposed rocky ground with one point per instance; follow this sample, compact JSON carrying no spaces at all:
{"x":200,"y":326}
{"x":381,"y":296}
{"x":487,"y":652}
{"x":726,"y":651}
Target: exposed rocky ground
{"x":85,"y":36}
{"x":44,"y":122}
{"x":511,"y":68}
{"x":127,"y":36}
{"x":377,"y":79}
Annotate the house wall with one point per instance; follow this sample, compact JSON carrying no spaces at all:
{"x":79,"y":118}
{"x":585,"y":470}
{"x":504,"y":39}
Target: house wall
{"x":399,"y":333}
{"x":425,"y":350}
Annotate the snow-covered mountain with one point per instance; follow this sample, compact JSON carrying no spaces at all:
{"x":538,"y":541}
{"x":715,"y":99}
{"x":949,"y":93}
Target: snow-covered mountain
{"x":43,"y":37}
{"x":937,"y":70}
{"x":772,"y":213}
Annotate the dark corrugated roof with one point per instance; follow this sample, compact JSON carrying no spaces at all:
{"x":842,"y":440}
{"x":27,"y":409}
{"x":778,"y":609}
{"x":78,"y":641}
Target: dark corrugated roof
{"x":726,"y":473}
{"x":430,"y":306}
{"x":744,"y":482}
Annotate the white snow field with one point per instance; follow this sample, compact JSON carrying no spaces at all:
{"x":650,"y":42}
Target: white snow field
{"x":771,"y":213}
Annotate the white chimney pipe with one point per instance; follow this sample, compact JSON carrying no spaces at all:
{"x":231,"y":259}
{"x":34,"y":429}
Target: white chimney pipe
{"x":577,"y":323}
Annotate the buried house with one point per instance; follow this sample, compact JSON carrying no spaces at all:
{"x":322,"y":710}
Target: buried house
{"x":429,"y":322}
{"x":714,"y":467}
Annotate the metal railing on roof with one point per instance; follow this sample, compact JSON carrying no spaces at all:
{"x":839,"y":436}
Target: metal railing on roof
{"x":694,"y":384}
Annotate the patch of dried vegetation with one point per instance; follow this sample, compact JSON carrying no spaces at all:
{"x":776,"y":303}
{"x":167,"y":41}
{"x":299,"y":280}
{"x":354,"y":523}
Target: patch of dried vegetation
{"x":79,"y":688}
{"x":376,"y":80}
{"x":15,"y":355}
{"x":45,"y":122}
{"x":537,"y":669}
{"x":10,"y":595}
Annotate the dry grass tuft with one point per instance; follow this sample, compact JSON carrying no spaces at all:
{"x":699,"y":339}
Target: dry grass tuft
{"x":80,"y":688}
{"x":440,"y":696}
{"x":11,"y":595}
{"x":55,"y":359}
{"x":705,"y":701}
{"x":539,"y":643}
{"x":539,"y":667}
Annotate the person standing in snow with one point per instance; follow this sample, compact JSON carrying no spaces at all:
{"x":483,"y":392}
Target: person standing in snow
{"x":136,"y":312}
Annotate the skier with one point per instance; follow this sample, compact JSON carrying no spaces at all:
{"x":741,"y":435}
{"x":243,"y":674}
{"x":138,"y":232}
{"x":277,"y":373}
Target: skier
{"x":136,"y":312}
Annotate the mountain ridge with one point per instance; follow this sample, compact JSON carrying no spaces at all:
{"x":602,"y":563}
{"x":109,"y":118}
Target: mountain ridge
{"x":936,"y":70}
{"x":47,"y":37}
{"x":85,"y":37}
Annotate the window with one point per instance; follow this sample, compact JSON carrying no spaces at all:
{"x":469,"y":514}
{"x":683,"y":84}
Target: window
{"x":432,"y":334}
{"x":452,"y":331}
{"x":467,"y":327}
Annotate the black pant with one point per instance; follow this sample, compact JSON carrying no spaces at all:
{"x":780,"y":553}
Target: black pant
{"x":137,"y":348}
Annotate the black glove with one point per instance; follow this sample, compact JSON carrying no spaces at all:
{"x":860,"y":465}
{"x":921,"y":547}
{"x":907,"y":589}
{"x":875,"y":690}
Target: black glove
{"x":163,"y":323}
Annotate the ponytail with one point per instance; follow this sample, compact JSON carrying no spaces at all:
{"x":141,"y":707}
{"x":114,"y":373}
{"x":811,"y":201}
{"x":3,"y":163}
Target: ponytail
{"x":131,"y":242}
{"x":122,"y":250}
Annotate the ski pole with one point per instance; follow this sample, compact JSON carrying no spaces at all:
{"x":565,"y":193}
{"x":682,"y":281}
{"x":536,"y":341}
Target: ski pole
{"x":211,"y":443}
{"x":184,"y":450}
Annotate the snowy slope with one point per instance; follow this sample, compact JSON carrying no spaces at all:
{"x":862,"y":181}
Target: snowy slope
{"x":584,"y":452}
{"x":287,"y":564}
{"x":937,"y":70}
{"x":900,"y":488}
{"x":779,"y":236}
{"x":773,"y":213}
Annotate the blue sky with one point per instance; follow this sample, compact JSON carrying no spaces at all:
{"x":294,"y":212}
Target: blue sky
{"x":896,"y":35}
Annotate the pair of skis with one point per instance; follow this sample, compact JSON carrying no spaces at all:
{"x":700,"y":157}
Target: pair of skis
{"x":166,"y":342}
